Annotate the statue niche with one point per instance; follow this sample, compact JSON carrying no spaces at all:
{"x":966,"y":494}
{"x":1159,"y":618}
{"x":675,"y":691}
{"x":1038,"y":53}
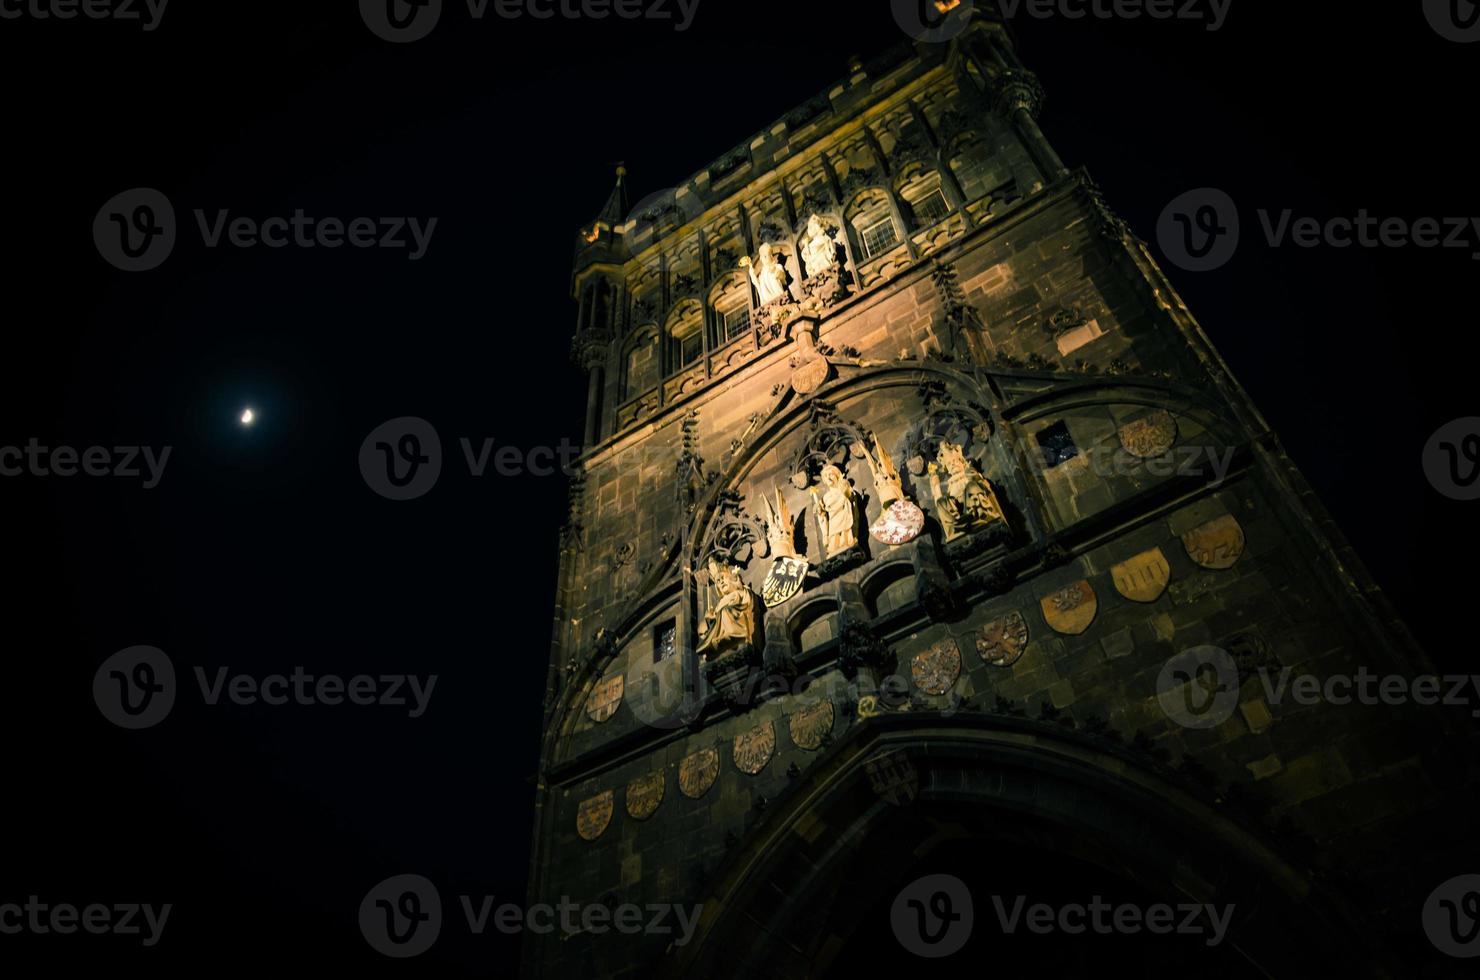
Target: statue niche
{"x":771,"y":281}
{"x":965,"y":501}
{"x":835,"y":506}
{"x":820,"y":250}
{"x":732,"y":625}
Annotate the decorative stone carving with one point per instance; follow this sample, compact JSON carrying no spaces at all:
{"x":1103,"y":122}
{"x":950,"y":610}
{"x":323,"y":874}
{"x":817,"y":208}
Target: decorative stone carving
{"x":1001,"y":642}
{"x":810,"y":725}
{"x":935,"y":670}
{"x":789,"y":570}
{"x":810,"y":368}
{"x":835,"y":506}
{"x":754,"y":748}
{"x":901,"y":521}
{"x":697,"y":772}
{"x":732,"y":624}
{"x":645,"y":794}
{"x":893,"y":777}
{"x":964,"y":501}
{"x":1142,"y":578}
{"x":1071,"y":610}
{"x":594,"y":815}
{"x":1218,"y":544}
{"x":605,"y":698}
{"x":1149,"y":437}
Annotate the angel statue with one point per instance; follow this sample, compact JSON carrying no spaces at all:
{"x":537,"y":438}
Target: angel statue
{"x":836,"y":507}
{"x":965,"y":501}
{"x":732,"y":622}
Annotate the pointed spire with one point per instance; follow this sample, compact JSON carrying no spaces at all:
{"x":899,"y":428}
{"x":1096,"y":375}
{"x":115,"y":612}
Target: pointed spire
{"x":615,"y":211}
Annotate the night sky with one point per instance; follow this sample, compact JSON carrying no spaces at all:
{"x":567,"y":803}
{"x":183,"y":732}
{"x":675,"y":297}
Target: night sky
{"x":262,"y":549}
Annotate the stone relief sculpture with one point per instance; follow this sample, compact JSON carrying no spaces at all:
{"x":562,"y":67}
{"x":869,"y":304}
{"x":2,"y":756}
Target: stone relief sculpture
{"x":732,"y":623}
{"x":964,"y":500}
{"x":769,"y":276}
{"x":836,"y":508}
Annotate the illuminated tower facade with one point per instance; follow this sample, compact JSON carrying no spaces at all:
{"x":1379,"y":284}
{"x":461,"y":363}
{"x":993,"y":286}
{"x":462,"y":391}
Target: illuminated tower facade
{"x":920,"y":529}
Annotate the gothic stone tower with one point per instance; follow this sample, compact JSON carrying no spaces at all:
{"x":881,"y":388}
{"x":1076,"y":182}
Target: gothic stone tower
{"x":919,"y":521}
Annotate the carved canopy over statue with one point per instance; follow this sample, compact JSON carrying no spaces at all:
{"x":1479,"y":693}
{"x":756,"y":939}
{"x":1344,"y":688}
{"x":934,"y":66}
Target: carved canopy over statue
{"x":836,"y":507}
{"x":965,"y":500}
{"x":769,"y":276}
{"x":732,"y":623}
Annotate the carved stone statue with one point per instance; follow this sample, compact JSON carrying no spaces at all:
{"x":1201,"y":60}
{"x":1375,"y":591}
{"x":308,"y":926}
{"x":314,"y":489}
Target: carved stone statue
{"x":769,"y":276}
{"x":819,"y":248}
{"x":965,"y":500}
{"x":836,"y":507}
{"x":780,"y":531}
{"x":732,"y":623}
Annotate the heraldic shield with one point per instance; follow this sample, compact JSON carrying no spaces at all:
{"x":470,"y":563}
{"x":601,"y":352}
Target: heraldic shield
{"x":784,"y":580}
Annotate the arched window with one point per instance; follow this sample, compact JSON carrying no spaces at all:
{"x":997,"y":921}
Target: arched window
{"x":926,"y":198}
{"x":874,"y":228}
{"x":730,"y":301}
{"x":685,"y":336}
